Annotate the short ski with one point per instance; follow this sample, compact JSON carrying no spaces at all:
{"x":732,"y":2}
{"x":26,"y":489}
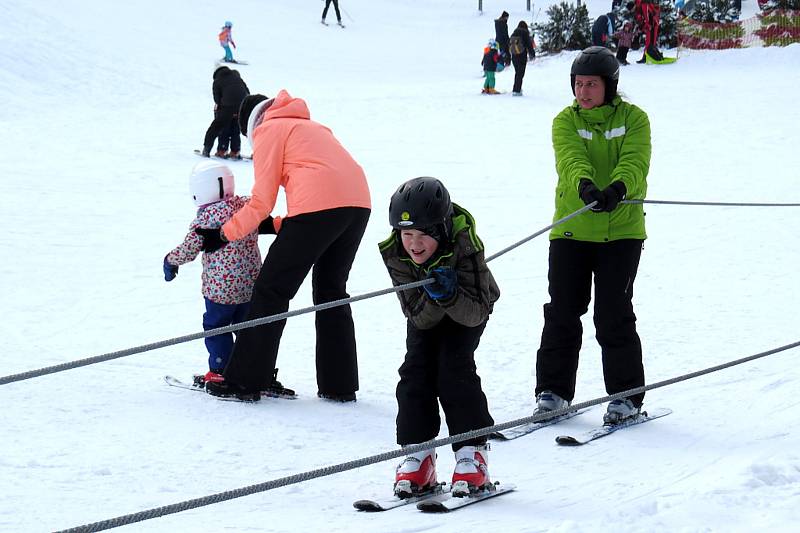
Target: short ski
{"x":530,"y":427}
{"x":175,"y":382}
{"x":444,"y":503}
{"x":234,"y":62}
{"x":384,"y":504}
{"x":244,"y":157}
{"x":602,"y":431}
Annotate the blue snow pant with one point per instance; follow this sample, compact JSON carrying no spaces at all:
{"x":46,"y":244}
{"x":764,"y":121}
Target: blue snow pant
{"x":220,"y":346}
{"x":228,"y":53}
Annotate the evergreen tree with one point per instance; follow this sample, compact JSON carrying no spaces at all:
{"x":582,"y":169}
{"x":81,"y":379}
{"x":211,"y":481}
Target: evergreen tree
{"x":769,"y":5}
{"x":668,"y":24}
{"x":719,"y":11}
{"x":567,"y":29}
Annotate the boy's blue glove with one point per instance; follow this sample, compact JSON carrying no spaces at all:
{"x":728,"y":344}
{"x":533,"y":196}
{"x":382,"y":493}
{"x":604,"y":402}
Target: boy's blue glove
{"x":170,"y":270}
{"x":445,"y":286}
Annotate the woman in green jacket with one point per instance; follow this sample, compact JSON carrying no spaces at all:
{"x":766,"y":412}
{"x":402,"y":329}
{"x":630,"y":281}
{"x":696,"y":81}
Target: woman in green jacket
{"x":602,"y":151}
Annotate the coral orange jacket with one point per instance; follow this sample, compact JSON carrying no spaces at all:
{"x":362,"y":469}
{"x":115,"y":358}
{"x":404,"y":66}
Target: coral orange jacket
{"x":292,"y":151}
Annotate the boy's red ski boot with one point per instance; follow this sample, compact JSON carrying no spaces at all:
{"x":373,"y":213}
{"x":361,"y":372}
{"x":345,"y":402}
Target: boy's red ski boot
{"x":416,"y":474}
{"x":472,"y":470}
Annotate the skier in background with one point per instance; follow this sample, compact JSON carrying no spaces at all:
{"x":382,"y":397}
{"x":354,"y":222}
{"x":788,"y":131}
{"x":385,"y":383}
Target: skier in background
{"x":226,"y":41}
{"x":603,"y":29}
{"x":501,"y":36}
{"x":336,"y":8}
{"x":228,"y":90}
{"x":647,"y":14}
{"x":228,"y":276}
{"x":521,"y":47}
{"x":602,"y":152}
{"x":433,"y":238}
{"x":492,"y":62}
{"x":624,"y":40}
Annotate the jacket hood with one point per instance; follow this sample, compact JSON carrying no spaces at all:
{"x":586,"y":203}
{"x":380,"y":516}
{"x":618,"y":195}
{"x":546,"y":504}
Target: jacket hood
{"x":286,"y":106}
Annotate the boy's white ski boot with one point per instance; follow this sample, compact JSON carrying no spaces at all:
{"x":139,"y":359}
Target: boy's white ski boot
{"x":472,"y":470}
{"x":620,"y":410}
{"x":416,"y":474}
{"x":549,"y":401}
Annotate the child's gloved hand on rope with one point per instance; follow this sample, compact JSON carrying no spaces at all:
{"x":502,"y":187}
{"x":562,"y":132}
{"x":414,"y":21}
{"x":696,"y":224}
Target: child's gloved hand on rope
{"x":445,"y":286}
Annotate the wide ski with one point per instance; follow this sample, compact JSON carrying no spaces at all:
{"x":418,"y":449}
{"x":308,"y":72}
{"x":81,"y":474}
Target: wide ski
{"x":244,"y":157}
{"x":526,"y":429}
{"x":444,"y":503}
{"x":175,"y":382}
{"x":602,"y":431}
{"x":384,"y":504}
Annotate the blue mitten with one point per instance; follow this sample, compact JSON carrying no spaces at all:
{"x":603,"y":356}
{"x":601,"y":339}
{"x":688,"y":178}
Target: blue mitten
{"x":170,"y":270}
{"x":444,"y":287}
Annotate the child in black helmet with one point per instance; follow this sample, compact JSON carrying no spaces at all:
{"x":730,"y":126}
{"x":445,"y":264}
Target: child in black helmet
{"x":435,"y":238}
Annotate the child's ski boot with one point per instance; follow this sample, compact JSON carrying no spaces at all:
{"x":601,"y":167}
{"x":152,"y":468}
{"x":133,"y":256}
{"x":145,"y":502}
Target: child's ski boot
{"x":416,"y":474}
{"x":472,"y":471}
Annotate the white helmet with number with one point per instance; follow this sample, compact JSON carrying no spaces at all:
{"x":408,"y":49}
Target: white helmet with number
{"x":210,"y":182}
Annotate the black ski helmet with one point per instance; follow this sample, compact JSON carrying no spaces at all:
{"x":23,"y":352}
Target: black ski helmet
{"x":424,"y":204}
{"x":597,"y":61}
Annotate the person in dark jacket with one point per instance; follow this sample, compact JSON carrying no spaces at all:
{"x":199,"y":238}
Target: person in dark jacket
{"x":434,"y":238}
{"x":501,"y":35}
{"x":521,"y":48}
{"x":603,"y":29}
{"x":229,"y":90}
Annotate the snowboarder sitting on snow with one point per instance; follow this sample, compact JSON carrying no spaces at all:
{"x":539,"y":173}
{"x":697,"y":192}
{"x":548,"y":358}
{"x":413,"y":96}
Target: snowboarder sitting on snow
{"x":435,"y":239}
{"x":492,"y":62}
{"x":228,"y":275}
{"x":226,"y":41}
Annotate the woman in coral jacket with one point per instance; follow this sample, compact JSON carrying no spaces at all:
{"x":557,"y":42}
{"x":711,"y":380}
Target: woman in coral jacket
{"x":328,"y":204}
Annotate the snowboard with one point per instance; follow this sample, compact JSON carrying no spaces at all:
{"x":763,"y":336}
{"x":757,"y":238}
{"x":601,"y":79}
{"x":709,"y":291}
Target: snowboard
{"x":244,"y":157}
{"x":234,"y":62}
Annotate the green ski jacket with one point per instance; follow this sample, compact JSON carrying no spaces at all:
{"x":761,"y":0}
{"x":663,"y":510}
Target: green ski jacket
{"x":604,"y":144}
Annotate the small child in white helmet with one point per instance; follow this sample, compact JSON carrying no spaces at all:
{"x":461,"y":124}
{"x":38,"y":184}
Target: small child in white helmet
{"x":229,"y":273}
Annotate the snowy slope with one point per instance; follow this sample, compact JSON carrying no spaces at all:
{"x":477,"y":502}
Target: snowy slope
{"x":103,"y":104}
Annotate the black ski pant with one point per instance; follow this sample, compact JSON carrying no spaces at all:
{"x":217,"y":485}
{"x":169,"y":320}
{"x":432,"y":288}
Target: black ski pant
{"x":222,"y":119}
{"x":520,"y":61}
{"x":326,"y":241}
{"x":572,"y":264}
{"x":440,"y":363}
{"x":622,"y":54}
{"x":230,"y":136}
{"x":335,"y":7}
